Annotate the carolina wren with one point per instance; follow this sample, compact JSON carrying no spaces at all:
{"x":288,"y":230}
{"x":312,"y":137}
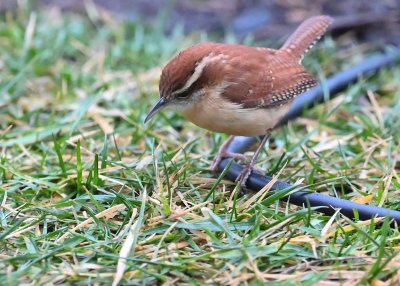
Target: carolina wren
{"x":237,"y":89}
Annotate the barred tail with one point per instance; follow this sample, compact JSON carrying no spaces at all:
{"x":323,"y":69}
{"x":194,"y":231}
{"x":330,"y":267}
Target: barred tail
{"x":306,"y":35}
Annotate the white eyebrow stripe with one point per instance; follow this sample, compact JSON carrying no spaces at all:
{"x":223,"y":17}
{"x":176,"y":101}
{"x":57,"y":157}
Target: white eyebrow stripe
{"x":198,"y":71}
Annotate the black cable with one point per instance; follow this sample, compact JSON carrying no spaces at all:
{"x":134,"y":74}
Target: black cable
{"x":327,"y":204}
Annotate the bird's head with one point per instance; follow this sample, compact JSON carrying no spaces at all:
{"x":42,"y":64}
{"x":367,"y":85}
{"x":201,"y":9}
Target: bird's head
{"x":185,"y":78}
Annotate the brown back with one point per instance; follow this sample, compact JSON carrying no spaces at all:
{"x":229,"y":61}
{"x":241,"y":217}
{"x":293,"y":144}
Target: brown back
{"x":278,"y":76}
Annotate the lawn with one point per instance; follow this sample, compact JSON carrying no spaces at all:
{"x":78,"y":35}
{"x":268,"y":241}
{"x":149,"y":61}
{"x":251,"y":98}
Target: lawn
{"x":90,"y":195}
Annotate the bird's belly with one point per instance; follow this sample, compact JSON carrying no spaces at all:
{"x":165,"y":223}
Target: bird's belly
{"x":219,"y":115}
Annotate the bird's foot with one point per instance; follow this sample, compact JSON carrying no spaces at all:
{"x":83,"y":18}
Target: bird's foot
{"x":225,"y":154}
{"x":246,"y":172}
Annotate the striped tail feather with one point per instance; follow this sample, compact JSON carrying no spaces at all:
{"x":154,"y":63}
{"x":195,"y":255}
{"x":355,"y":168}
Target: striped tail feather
{"x":306,"y":35}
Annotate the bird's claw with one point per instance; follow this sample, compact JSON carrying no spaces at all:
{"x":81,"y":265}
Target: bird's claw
{"x":245,"y":174}
{"x":222,"y":155}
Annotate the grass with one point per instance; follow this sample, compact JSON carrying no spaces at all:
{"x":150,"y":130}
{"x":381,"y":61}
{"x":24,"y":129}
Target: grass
{"x":89,"y":195}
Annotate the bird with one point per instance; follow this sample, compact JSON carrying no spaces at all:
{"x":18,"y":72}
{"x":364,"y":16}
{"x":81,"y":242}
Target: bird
{"x":238,"y":89}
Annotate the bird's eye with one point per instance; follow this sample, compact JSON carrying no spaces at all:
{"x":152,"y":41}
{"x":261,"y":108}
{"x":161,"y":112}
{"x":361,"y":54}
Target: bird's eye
{"x":183,"y":95}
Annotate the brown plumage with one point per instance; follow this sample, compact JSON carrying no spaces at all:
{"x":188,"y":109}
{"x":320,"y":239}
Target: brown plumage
{"x":239,"y":90}
{"x":217,"y":86}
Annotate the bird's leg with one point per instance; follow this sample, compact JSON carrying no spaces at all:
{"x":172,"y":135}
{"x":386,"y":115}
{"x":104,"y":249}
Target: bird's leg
{"x":224,"y":153}
{"x":244,"y":175}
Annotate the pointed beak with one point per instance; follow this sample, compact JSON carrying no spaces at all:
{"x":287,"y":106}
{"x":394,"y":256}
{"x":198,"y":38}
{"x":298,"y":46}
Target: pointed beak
{"x":159,"y":105}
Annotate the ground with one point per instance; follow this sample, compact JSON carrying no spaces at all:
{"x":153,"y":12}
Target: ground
{"x":90,"y":195}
